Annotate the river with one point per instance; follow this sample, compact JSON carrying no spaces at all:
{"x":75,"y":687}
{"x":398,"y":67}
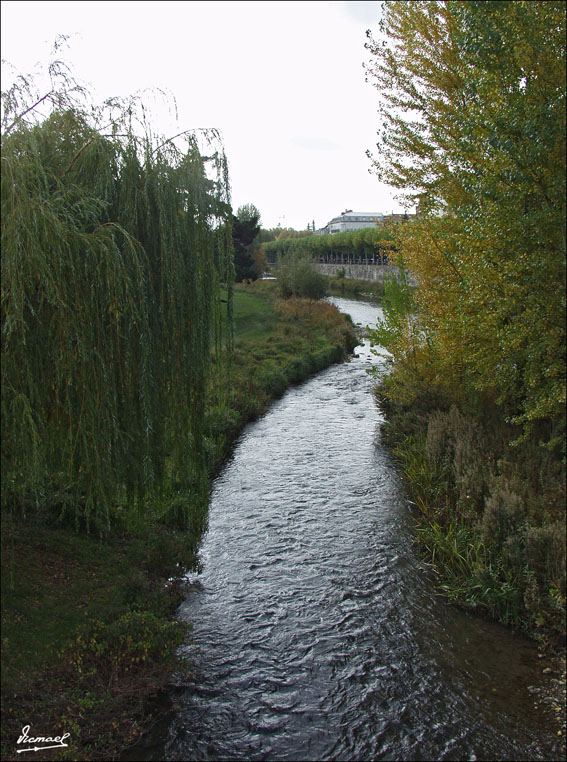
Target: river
{"x":318,"y":632}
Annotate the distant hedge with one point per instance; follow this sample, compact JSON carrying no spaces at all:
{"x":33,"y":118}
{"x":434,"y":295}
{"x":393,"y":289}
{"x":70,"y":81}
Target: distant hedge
{"x":366,"y":243}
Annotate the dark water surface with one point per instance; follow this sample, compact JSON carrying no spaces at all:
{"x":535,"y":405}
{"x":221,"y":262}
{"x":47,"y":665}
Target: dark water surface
{"x":318,"y":634}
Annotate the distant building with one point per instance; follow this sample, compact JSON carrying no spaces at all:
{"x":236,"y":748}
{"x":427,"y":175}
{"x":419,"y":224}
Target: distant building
{"x":398,"y":217}
{"x":349,"y":220}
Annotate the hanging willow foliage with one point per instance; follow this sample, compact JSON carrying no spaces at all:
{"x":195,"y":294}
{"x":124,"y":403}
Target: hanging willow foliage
{"x":114,"y":247}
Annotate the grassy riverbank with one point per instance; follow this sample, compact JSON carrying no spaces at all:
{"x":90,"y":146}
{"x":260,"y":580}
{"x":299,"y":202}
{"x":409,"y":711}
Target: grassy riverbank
{"x":490,"y":522}
{"x":277,"y":343}
{"x":88,"y":627}
{"x":489,"y":515}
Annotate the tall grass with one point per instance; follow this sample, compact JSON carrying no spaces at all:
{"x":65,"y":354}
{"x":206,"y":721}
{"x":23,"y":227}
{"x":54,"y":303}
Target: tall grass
{"x":490,"y":519}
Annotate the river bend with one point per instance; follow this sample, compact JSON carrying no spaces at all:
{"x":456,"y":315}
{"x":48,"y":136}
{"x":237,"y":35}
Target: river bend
{"x":318,"y":634}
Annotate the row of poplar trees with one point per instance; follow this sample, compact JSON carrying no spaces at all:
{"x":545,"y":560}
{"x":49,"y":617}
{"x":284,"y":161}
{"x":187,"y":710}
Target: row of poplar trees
{"x":472,"y":103}
{"x":115,"y":245}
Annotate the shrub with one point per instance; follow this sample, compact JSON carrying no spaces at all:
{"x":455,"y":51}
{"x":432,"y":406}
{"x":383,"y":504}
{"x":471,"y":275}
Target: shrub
{"x":297,"y":276}
{"x":111,"y":650}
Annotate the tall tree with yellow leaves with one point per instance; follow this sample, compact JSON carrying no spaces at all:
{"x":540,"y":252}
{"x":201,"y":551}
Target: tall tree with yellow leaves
{"x":473,"y":127}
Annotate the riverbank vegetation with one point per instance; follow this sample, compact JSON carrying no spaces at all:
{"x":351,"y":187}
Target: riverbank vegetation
{"x":114,"y":248}
{"x":279,"y":342}
{"x":473,"y":109}
{"x":129,"y":367}
{"x":88,"y":620}
{"x":297,"y":276}
{"x":114,"y":245}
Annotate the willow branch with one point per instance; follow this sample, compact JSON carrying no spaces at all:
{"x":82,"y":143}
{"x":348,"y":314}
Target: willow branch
{"x":31,"y":108}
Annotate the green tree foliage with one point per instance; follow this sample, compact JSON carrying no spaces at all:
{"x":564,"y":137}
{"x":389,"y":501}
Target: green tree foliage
{"x":365,"y":243}
{"x":273,"y":234}
{"x":245,"y":230}
{"x":396,"y":328}
{"x":298,"y":277}
{"x":110,"y":300}
{"x":279,"y":233}
{"x":473,"y":126}
{"x":282,"y":233}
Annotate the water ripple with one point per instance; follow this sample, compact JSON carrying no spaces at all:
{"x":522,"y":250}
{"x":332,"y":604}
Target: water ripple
{"x":317,"y":633}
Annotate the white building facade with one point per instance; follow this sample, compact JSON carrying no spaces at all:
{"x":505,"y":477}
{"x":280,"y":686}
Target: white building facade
{"x":349,"y":220}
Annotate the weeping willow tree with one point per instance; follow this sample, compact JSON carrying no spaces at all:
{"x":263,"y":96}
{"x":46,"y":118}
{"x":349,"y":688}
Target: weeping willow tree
{"x":114,"y":247}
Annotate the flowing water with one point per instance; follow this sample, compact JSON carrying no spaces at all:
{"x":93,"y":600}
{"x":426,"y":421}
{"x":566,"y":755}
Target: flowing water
{"x":318,"y":634}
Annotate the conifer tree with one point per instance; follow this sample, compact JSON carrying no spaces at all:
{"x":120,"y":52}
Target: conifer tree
{"x":245,"y":229}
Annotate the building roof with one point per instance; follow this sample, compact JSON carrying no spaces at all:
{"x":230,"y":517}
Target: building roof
{"x":356,"y":216}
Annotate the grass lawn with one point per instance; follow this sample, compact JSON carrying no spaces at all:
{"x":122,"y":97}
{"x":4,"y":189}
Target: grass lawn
{"x":254,"y":316}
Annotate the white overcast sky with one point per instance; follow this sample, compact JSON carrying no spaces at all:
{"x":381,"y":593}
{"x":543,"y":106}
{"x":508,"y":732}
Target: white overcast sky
{"x":282,"y":81}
